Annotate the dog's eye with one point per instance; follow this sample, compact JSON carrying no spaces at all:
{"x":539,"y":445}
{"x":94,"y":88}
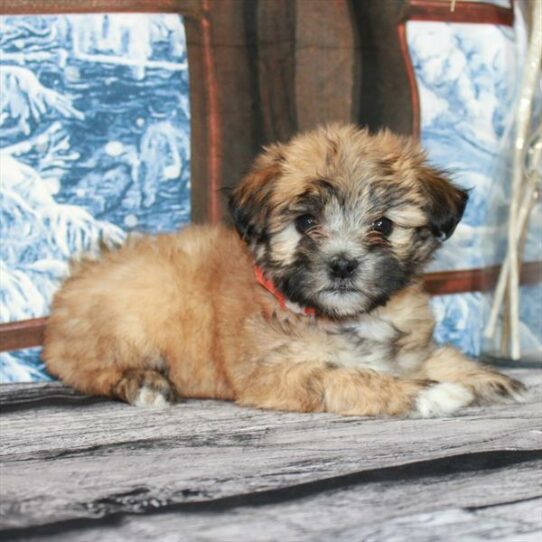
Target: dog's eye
{"x":303,"y":223}
{"x":383,"y":225}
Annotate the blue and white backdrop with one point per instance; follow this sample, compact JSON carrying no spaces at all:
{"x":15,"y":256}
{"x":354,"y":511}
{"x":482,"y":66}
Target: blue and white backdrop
{"x":94,"y":143}
{"x":468,"y":78}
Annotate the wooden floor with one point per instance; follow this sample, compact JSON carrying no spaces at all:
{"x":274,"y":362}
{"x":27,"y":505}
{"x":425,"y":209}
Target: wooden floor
{"x":81,"y":469}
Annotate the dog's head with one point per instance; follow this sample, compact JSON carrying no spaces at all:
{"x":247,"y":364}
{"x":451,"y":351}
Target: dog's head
{"x":340,"y":219}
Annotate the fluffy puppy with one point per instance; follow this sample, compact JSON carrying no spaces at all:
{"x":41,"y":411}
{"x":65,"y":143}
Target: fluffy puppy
{"x":314,"y":305}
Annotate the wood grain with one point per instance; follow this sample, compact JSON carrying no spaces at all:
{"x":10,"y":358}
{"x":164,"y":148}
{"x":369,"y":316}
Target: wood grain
{"x":275,"y":67}
{"x":326,"y":63}
{"x":464,"y":12}
{"x":386,"y":99}
{"x":24,"y":7}
{"x":221,"y":103}
{"x":24,"y":333}
{"x":467,"y":503}
{"x":477,"y":280}
{"x":29,"y":333}
{"x":85,"y":464}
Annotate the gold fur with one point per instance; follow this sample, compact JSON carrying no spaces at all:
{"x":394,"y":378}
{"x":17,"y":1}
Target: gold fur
{"x":182,"y":315}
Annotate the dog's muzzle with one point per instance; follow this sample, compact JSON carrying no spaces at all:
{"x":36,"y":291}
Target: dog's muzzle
{"x":342,"y":267}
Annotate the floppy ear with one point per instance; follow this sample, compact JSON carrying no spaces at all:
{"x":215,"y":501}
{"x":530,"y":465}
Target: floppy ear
{"x":445,"y":201}
{"x":249,"y":203}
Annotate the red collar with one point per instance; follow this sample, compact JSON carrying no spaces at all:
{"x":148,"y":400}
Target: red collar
{"x":283,"y":302}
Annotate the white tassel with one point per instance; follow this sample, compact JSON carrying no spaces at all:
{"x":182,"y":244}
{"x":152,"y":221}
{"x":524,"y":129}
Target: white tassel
{"x":522,"y":192}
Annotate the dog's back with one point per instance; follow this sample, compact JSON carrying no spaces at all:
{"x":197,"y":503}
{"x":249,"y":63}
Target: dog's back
{"x":125,"y":313}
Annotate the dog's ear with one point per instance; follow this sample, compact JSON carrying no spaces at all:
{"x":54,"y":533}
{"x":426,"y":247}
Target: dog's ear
{"x":445,"y":201}
{"x":250,"y":200}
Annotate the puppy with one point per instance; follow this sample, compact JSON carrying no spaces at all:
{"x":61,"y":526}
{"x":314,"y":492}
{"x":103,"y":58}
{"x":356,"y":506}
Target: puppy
{"x":314,"y":304}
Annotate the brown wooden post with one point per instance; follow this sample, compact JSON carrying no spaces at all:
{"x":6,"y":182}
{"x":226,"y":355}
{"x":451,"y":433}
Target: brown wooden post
{"x":327,"y":63}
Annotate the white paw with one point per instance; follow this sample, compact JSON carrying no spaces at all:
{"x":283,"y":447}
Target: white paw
{"x":150,"y":398}
{"x":442,"y":399}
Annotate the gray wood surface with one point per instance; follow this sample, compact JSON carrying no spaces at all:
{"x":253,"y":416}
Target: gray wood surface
{"x":79,"y":468}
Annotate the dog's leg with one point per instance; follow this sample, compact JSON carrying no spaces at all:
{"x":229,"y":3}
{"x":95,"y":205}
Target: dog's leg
{"x":144,"y":388}
{"x":326,"y":387}
{"x":102,"y":362}
{"x":139,"y":387}
{"x":447,"y":364}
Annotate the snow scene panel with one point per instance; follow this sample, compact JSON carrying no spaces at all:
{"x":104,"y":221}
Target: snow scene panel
{"x":461,"y":319}
{"x":22,"y":366}
{"x":94,"y":144}
{"x":468,"y":79}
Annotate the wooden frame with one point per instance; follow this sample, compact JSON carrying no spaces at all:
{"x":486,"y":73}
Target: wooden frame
{"x":29,"y":333}
{"x":43,"y":7}
{"x":205,"y":136}
{"x":252,"y":81}
{"x":22,"y":334}
{"x":464,"y":12}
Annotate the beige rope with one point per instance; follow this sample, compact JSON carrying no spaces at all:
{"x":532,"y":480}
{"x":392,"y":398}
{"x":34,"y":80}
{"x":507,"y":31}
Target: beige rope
{"x":524,"y":189}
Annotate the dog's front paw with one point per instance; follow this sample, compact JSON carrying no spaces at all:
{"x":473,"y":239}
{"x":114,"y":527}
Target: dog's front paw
{"x":493,"y":387}
{"x":151,"y":398}
{"x":442,"y":399}
{"x":145,"y":388}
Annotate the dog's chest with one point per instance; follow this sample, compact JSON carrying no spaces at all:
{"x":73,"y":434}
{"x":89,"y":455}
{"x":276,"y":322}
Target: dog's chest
{"x":370,"y":343}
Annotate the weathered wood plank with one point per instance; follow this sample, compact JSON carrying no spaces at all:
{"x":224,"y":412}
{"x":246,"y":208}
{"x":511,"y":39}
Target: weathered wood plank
{"x":409,"y":505}
{"x":115,"y":423}
{"x":41,"y":395}
{"x":104,"y":458}
{"x":458,"y":524}
{"x":29,"y":395}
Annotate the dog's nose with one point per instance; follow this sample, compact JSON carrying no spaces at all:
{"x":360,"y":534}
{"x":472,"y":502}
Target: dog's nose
{"x":342,"y":267}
